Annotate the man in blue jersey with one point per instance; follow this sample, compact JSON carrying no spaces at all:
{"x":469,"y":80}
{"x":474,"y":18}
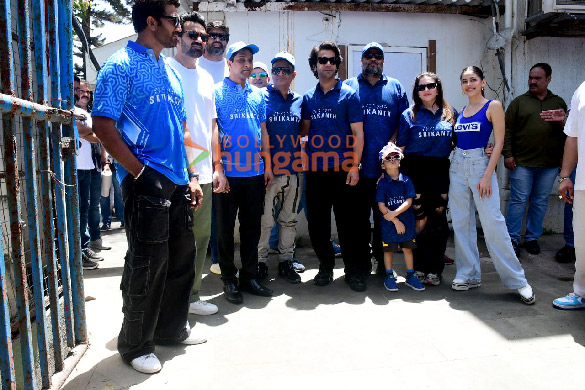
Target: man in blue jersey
{"x":283,"y":119}
{"x":333,"y":120}
{"x":241,"y":118}
{"x":383,"y":100}
{"x":139,"y":115}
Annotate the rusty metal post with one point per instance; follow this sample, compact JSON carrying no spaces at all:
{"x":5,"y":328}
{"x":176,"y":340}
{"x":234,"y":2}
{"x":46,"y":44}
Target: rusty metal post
{"x":6,"y":77}
{"x":31,"y":195}
{"x":38,"y":14}
{"x":66,"y":81}
{"x":58,"y":173}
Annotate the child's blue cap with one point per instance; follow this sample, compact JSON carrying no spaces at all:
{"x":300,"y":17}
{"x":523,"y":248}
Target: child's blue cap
{"x":389,"y":150}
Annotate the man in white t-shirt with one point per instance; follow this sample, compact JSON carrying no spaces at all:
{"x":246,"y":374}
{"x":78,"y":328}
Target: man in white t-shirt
{"x":213,"y":60}
{"x":89,"y":180}
{"x":198,"y":91}
{"x":215,"y":64}
{"x":574,"y":150}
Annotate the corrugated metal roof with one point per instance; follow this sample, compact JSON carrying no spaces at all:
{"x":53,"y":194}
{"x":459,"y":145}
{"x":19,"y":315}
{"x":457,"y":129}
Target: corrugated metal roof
{"x":485,"y":3}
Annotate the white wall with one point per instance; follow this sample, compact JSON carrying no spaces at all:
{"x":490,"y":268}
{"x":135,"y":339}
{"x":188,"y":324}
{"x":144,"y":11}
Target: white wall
{"x":460,"y":39}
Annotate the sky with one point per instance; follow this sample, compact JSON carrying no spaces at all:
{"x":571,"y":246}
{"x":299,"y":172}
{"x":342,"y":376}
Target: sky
{"x":114,"y":32}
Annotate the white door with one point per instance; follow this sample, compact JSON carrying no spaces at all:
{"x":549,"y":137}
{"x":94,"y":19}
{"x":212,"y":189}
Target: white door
{"x":401,"y":63}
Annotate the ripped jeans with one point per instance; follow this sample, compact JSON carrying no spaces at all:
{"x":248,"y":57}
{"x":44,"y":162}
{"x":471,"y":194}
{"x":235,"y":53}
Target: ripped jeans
{"x":159,"y":264}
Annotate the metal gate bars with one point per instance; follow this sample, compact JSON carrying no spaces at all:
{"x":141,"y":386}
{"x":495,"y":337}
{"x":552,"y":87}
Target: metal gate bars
{"x":41,"y":242}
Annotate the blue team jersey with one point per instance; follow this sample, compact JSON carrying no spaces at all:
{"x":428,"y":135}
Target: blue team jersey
{"x":145,"y":98}
{"x":394,"y":193}
{"x":382,"y":104}
{"x":473,"y":132}
{"x":330,"y":140}
{"x":283,"y":123}
{"x":428,"y":136}
{"x":239,"y":114}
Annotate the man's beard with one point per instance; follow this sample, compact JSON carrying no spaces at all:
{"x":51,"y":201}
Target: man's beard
{"x":215,"y":51}
{"x":194,"y":52}
{"x":369,"y":71}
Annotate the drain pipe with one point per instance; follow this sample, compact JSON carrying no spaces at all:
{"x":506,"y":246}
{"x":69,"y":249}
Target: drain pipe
{"x":510,"y":27}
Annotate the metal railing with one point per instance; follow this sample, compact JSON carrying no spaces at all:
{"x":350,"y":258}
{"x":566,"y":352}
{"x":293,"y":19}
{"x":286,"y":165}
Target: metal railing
{"x":41,"y":241}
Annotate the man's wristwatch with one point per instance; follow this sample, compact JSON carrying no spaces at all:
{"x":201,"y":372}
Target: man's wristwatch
{"x":194,"y":175}
{"x":564,"y":178}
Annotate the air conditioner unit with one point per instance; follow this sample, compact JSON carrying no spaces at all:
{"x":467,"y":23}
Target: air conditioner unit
{"x":539,"y":7}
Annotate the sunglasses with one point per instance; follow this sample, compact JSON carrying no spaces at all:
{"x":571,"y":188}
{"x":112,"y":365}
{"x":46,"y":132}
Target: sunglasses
{"x":422,"y":87}
{"x":331,"y":60}
{"x":221,"y":36}
{"x":284,"y":70}
{"x":378,"y":56}
{"x":176,"y":19}
{"x":392,"y":157}
{"x":261,"y":74}
{"x":194,"y":35}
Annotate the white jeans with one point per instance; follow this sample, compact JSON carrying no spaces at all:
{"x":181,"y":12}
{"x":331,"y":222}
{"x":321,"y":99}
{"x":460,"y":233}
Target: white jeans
{"x":281,"y":203}
{"x":467,"y":168}
{"x":579,"y":231}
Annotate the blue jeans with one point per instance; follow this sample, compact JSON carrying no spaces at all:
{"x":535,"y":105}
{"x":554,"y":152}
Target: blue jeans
{"x":534,"y":185}
{"x":467,"y":168}
{"x":89,"y":189}
{"x":118,"y":203}
{"x":568,"y":221}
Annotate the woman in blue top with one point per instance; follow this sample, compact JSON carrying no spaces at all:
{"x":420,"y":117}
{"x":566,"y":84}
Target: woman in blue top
{"x":474,"y":186}
{"x":425,"y":133}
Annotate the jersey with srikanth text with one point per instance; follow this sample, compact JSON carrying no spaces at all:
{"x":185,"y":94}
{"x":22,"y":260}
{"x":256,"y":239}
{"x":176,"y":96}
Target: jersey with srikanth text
{"x":331,"y":140}
{"x":283,"y":121}
{"x":145,"y":98}
{"x":473,"y":132}
{"x":382,"y":104}
{"x":240,"y":111}
{"x":429,"y":135}
{"x":393,"y":193}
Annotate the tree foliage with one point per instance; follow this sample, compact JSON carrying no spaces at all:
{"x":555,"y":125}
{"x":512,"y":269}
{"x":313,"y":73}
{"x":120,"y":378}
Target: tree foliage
{"x":93,"y":14}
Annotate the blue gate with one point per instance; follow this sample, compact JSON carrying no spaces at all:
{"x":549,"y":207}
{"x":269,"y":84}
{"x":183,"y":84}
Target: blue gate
{"x":42,"y":307}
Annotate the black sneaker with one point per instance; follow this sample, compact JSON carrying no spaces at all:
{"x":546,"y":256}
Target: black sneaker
{"x":565,"y":255}
{"x":532,"y":247}
{"x":356,"y":283}
{"x":286,"y":270}
{"x":516,"y":248}
{"x":88,"y":264}
{"x":105,"y":226}
{"x":262,"y":270}
{"x":323,"y":278}
{"x":91,"y":255}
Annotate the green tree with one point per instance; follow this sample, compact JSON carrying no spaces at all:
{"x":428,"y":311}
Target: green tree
{"x":92,"y":14}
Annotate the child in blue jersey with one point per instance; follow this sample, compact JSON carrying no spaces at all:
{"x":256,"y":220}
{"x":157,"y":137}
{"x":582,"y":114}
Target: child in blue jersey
{"x":394,"y":196}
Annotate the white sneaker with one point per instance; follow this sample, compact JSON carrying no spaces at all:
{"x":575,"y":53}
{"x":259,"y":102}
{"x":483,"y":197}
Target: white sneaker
{"x":462,"y":285}
{"x":527,"y":294}
{"x":214,"y":269}
{"x":193,"y":339}
{"x":202,"y":308}
{"x":146,"y":364}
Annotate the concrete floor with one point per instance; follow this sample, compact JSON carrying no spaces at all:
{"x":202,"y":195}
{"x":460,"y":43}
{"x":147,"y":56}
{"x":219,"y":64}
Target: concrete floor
{"x":309,"y":337}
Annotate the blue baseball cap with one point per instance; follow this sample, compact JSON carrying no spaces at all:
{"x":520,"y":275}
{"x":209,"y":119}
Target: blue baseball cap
{"x":283,"y":55}
{"x":236,"y":47}
{"x":372,"y":45}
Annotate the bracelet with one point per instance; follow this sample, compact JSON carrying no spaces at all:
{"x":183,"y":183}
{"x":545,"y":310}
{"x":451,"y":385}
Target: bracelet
{"x":217,"y":163}
{"x":140,"y":173}
{"x":194,"y":175}
{"x":564,"y":178}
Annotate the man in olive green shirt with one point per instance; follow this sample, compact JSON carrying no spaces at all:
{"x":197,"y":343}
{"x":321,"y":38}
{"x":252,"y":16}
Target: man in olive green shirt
{"x":533,"y":149}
